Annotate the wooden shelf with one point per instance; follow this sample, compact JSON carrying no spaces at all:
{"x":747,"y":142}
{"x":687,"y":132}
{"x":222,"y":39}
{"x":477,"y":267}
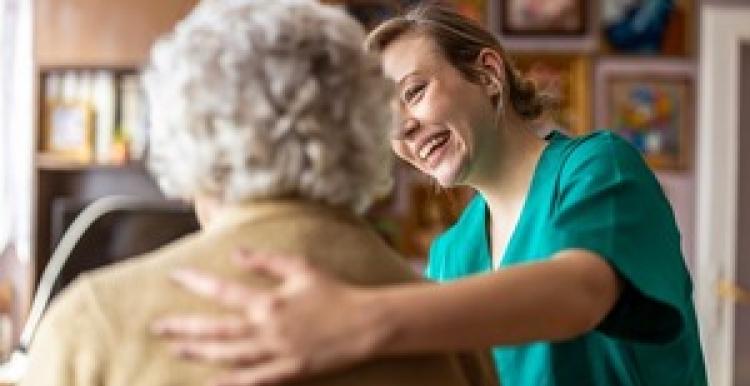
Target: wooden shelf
{"x":48,"y":162}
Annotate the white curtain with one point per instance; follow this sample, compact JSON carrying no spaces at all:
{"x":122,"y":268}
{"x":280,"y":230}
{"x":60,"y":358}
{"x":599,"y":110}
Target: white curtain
{"x":16,"y":125}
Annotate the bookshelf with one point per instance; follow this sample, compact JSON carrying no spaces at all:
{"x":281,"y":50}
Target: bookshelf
{"x":89,"y":37}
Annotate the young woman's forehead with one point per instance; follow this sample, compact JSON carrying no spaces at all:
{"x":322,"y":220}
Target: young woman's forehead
{"x":408,"y":54}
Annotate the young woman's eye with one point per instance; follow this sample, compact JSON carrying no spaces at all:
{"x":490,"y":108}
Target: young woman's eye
{"x":412,"y":92}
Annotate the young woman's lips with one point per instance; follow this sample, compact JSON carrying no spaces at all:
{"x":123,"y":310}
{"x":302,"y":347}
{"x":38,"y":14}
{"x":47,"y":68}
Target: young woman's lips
{"x":431,"y":151}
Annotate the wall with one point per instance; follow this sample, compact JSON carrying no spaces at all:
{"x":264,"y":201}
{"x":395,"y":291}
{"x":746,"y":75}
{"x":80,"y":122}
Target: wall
{"x":680,"y":187}
{"x":742,"y":312}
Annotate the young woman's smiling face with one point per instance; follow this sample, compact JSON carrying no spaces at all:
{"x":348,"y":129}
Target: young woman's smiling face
{"x":443,"y":121}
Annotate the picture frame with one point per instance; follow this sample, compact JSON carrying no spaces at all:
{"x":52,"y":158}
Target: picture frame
{"x":654,"y":28}
{"x":547,"y":40}
{"x":567,"y":79}
{"x":68,"y":131}
{"x":650,"y":103}
{"x":370,"y":13}
{"x":545,"y":18}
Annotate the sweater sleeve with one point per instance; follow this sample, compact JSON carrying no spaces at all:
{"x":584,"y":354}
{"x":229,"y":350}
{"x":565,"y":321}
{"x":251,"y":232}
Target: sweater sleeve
{"x":70,"y":347}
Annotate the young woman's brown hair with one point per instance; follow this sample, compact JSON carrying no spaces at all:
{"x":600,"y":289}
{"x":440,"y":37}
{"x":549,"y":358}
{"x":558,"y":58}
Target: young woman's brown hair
{"x":460,"y":41}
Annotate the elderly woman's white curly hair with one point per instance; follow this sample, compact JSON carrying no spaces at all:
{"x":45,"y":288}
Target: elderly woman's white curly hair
{"x":254,"y":99}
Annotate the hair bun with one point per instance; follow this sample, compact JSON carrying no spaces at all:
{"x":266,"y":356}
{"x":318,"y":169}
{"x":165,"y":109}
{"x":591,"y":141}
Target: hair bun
{"x":524,"y":96}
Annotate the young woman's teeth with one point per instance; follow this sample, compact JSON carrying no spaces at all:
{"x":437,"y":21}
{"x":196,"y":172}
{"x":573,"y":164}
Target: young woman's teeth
{"x":427,"y":149}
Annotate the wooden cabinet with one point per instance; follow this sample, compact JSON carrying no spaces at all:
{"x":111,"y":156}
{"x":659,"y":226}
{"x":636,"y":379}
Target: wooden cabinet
{"x":102,"y":32}
{"x":91,"y":35}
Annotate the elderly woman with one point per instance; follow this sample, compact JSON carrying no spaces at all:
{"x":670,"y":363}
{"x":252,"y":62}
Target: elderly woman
{"x":272,"y":120}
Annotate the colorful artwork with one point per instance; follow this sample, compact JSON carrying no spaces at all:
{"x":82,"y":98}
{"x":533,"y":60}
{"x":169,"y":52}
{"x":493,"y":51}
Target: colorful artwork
{"x":652,"y":115}
{"x":546,"y":17}
{"x":651,"y":103}
{"x":655,"y":27}
{"x":564,"y":78}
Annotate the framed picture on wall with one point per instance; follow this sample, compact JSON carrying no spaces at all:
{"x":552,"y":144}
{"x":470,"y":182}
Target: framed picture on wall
{"x":544,"y":17}
{"x":68,"y":130}
{"x":652,"y":105}
{"x":566,"y":79}
{"x":654,"y":27}
{"x":373,"y":12}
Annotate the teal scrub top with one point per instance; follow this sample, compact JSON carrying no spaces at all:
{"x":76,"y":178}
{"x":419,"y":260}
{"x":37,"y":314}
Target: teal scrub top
{"x":593,"y":193}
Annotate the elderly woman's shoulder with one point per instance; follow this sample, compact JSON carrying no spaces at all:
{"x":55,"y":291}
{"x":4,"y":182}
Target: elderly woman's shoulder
{"x":136,"y":274}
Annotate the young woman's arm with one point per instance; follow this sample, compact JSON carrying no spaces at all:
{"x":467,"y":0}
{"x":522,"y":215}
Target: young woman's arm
{"x":557,"y":299}
{"x":312,"y":323}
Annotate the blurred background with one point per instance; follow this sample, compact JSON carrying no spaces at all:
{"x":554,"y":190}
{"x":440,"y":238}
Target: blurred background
{"x":670,"y":76}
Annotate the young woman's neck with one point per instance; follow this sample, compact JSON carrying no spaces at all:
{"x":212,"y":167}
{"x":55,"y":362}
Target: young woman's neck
{"x":504,"y":175}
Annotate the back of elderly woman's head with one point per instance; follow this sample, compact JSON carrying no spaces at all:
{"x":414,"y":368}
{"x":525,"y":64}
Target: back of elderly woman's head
{"x":259,"y":99}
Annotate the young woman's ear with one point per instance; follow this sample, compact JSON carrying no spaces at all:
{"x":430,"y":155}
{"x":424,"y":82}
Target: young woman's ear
{"x":492,"y":71}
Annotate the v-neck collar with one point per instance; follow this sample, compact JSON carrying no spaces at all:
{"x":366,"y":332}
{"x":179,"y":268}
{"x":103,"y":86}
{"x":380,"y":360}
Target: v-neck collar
{"x":551,"y":139}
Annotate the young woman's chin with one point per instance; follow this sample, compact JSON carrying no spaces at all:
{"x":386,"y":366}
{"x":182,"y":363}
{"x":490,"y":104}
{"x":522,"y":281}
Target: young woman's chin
{"x":450,"y":173}
{"x":449,"y":166}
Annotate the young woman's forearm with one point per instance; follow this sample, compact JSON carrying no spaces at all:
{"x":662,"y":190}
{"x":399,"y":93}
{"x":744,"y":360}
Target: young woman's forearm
{"x":552,"y":300}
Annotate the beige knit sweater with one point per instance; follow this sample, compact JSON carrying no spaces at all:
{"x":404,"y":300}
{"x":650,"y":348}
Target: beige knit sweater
{"x":97,"y":332}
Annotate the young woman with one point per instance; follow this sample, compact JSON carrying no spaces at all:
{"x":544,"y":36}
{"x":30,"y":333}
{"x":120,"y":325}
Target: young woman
{"x":567,"y":261}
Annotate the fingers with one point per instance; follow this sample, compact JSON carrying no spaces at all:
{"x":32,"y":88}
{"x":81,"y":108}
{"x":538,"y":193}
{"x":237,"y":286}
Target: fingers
{"x":282,"y":267}
{"x":244,"y":352}
{"x":202,"y":327}
{"x":269,"y":373}
{"x":225,"y":292}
